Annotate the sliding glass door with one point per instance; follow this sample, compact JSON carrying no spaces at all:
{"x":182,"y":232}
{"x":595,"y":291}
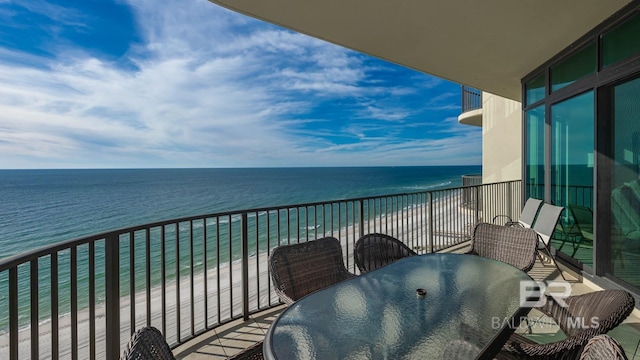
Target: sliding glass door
{"x":625,"y":184}
{"x":572,"y":163}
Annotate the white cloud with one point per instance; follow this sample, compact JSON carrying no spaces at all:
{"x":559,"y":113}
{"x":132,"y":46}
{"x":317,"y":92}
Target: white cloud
{"x":203,"y":94}
{"x":59,"y":14}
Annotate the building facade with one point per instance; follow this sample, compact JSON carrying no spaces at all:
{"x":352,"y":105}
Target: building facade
{"x":581,"y":126}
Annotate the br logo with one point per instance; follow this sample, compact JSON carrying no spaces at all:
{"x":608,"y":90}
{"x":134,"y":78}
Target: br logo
{"x":534,"y":293}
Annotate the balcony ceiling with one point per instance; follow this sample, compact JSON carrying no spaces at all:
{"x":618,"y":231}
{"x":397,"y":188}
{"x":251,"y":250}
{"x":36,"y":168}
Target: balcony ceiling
{"x":488,"y":44}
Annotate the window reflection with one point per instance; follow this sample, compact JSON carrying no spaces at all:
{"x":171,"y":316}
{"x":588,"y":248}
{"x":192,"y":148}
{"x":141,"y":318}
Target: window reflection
{"x":625,"y":194}
{"x":535,"y":153}
{"x":572,"y":162}
{"x":576,"y":67}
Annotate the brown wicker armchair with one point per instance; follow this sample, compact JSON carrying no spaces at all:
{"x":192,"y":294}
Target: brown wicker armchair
{"x":603,"y":347}
{"x":300,"y":269}
{"x":253,"y":352}
{"x":584,"y":317}
{"x":147,"y":344}
{"x":376,"y":250}
{"x":513,"y":245}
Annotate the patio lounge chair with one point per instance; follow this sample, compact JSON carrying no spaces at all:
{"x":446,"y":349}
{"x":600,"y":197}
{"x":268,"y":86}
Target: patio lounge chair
{"x":376,"y":250}
{"x":300,"y":269}
{"x":147,"y":344}
{"x":545,"y":225}
{"x":584,"y":317}
{"x":625,"y":207}
{"x":510,"y":244}
{"x":527,"y":216}
{"x":603,"y":347}
{"x":583,"y":221}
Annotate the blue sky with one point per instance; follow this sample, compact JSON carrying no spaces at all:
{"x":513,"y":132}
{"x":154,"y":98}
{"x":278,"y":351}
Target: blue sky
{"x":186,"y":83}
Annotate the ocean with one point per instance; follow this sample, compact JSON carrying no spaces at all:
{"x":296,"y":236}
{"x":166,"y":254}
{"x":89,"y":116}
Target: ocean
{"x":42,"y":207}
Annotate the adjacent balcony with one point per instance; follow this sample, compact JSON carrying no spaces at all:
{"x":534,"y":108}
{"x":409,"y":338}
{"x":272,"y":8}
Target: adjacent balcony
{"x":471,"y":106}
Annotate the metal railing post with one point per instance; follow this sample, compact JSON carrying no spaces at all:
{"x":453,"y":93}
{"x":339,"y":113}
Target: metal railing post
{"x":13,"y":313}
{"x":112,"y":296}
{"x":361,"y":202}
{"x":245,"y":267}
{"x":430,"y":234}
{"x":35,"y":319}
{"x":477,"y":204}
{"x":514,"y":203}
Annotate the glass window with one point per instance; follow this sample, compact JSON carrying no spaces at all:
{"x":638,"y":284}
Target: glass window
{"x":535,"y":89}
{"x":625,"y":183}
{"x":621,"y":42}
{"x":572,"y":160}
{"x":534,"y":186}
{"x":576,"y":67}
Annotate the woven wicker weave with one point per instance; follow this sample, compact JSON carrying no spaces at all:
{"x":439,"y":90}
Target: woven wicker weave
{"x":300,"y":269}
{"x":376,"y":250}
{"x":253,"y":352}
{"x":603,"y":347}
{"x":510,"y":244}
{"x":584,"y":317}
{"x":147,"y":344}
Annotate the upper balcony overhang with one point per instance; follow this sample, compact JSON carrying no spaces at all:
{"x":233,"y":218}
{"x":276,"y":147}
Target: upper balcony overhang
{"x":472,"y":117}
{"x":490,"y":45}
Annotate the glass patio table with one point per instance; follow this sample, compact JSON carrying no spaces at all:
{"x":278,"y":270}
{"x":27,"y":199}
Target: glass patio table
{"x":415,"y":308}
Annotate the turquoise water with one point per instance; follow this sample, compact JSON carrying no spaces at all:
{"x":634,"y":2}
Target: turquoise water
{"x":41,"y":207}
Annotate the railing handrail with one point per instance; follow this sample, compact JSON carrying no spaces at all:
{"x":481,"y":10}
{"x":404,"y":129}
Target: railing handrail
{"x":471,"y":98}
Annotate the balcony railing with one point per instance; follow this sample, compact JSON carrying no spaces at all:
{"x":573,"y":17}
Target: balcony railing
{"x":469,"y":196}
{"x":83,"y":298}
{"x":471,"y":99}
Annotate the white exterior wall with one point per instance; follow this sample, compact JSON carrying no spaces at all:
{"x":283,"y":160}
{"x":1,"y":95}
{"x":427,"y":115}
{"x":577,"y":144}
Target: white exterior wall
{"x":501,"y":139}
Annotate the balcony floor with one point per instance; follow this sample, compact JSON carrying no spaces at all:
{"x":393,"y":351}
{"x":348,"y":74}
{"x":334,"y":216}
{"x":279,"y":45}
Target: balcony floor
{"x":228,"y":339}
{"x":232,"y":338}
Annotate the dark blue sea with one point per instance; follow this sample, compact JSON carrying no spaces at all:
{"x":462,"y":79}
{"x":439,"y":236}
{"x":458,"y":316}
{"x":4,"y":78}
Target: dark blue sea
{"x":40,"y":207}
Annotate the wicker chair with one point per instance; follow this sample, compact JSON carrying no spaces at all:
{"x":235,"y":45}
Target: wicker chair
{"x":253,"y":352}
{"x":147,"y":344}
{"x":603,"y":347}
{"x":527,"y":216}
{"x":584,"y":317}
{"x":510,"y":244}
{"x":376,"y":250}
{"x":300,"y":269}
